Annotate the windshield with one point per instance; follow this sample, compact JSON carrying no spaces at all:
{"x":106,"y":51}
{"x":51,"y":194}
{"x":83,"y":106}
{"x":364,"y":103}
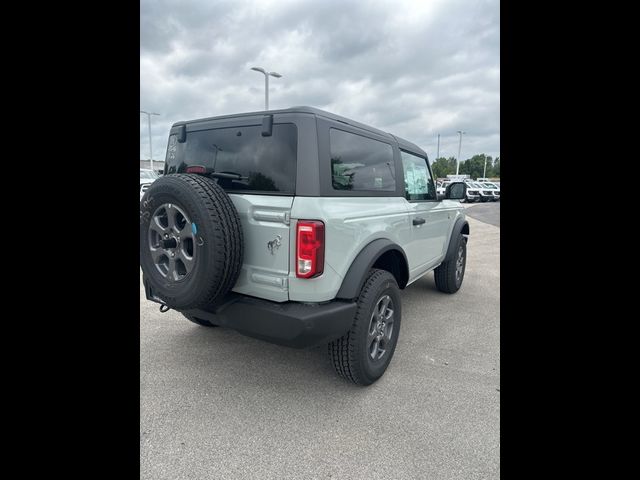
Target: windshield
{"x":490,"y":185}
{"x":148,"y":174}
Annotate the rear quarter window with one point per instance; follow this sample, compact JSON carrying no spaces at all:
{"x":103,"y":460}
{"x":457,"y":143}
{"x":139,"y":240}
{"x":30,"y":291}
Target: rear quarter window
{"x":360,"y":163}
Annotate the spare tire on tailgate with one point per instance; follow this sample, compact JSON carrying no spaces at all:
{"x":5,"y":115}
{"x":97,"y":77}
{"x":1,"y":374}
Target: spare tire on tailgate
{"x":191,"y":244}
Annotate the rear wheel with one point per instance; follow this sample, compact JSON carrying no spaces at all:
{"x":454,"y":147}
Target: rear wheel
{"x":364,"y":353}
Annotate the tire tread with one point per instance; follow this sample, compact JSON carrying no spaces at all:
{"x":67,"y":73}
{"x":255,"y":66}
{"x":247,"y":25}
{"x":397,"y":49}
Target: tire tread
{"x":343,"y":351}
{"x":223,"y":271}
{"x":445,"y":273}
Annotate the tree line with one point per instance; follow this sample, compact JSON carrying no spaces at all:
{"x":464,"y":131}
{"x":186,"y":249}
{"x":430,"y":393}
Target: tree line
{"x":474,"y":166}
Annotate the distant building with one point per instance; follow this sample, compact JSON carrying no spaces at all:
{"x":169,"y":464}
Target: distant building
{"x":458,"y":178}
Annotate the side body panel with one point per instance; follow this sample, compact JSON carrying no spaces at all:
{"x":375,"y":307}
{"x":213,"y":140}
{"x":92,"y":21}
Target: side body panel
{"x":350,"y":224}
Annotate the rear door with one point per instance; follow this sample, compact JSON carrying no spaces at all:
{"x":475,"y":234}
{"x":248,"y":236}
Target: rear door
{"x":265,"y":224}
{"x":258,"y":171}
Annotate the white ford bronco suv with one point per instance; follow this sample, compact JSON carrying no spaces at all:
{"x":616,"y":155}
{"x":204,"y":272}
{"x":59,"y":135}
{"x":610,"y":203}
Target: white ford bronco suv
{"x":299,"y":227}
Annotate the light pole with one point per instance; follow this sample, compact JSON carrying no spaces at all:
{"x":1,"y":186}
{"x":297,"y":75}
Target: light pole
{"x":459,"y":149}
{"x":438,"y":150}
{"x":150,"y":142}
{"x":484,"y":173}
{"x":266,"y":83}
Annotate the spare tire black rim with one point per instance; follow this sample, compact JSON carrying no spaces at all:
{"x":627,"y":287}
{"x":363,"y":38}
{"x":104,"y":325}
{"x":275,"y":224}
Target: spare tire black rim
{"x":172,"y":242}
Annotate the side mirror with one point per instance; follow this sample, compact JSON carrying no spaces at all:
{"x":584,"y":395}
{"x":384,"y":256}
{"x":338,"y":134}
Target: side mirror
{"x":456,"y":191}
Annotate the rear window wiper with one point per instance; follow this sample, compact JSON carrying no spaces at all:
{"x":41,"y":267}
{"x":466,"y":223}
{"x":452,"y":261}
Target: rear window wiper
{"x":229,"y":175}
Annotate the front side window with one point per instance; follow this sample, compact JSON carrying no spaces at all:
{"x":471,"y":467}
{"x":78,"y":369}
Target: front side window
{"x":361,"y":163}
{"x":418,"y":184}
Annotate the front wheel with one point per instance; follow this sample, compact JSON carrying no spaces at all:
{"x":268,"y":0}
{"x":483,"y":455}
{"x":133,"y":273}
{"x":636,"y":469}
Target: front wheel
{"x":364,"y":353}
{"x":449,"y":274}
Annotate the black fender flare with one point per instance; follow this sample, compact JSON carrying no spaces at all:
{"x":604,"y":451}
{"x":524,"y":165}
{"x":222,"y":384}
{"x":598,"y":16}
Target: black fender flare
{"x":357,"y":273}
{"x":458,"y":227}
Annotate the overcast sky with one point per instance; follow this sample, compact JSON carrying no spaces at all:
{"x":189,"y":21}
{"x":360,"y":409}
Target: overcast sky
{"x":412,"y":68}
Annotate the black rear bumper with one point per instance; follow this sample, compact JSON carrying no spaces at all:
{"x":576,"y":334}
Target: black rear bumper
{"x":293,"y":324}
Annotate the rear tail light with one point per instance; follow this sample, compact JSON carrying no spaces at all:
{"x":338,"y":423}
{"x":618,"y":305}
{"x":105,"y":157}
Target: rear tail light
{"x":309,"y":248}
{"x":196,"y":169}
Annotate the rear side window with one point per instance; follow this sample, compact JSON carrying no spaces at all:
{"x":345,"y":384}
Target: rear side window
{"x":264,"y":164}
{"x":360,"y":163}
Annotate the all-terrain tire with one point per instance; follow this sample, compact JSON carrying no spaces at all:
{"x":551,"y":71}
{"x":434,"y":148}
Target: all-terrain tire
{"x":448,"y":276}
{"x":217,"y":242}
{"x":351,"y":354}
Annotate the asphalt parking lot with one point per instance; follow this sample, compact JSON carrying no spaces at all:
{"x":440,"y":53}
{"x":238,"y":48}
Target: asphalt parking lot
{"x":488,"y":212}
{"x":217,"y":405}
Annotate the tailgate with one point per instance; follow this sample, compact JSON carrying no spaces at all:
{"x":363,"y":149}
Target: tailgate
{"x":265,"y":224}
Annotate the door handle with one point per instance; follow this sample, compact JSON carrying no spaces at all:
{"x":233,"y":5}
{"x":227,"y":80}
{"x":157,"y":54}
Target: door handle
{"x":418,"y":221}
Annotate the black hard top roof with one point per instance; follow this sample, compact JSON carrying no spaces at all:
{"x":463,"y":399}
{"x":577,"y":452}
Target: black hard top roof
{"x":314,"y":111}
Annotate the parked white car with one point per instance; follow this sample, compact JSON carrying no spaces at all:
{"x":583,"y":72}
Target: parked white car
{"x":442,"y":187}
{"x":477,"y":192}
{"x":472,"y":194}
{"x":495,"y":190}
{"x":147,"y":177}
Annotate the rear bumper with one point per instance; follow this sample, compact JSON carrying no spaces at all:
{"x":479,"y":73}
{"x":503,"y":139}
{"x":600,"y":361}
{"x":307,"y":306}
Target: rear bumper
{"x":293,"y":324}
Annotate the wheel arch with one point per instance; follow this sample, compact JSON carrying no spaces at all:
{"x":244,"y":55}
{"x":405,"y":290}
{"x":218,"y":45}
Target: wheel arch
{"x":381,"y":253}
{"x":461,"y":227}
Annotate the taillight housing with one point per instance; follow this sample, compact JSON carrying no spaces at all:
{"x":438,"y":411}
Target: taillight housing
{"x":309,"y":248}
{"x":196,"y":169}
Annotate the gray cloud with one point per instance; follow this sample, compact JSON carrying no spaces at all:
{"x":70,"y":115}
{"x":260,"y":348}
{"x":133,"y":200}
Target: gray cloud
{"x":413,"y":68}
